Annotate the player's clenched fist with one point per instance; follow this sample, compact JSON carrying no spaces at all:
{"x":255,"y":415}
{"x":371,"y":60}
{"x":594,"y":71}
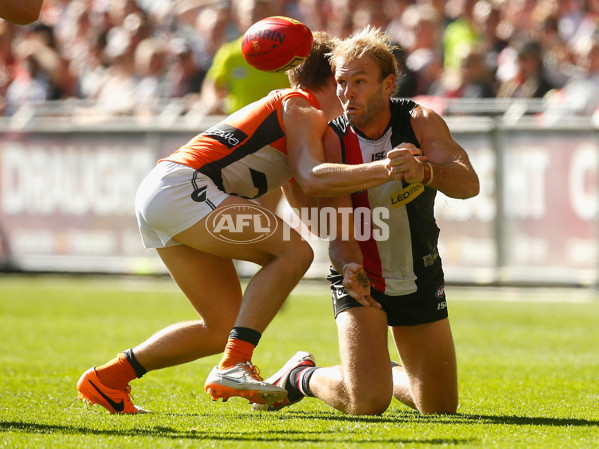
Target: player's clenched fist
{"x":405,"y":163}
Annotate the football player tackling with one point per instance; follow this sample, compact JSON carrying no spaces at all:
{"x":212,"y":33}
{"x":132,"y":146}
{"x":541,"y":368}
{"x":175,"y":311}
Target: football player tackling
{"x":404,"y":272}
{"x":252,"y":152}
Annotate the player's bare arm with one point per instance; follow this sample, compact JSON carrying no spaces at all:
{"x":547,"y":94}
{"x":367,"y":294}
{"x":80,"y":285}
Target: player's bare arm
{"x":20,"y":12}
{"x":451,"y":171}
{"x":344,"y":251}
{"x":304,"y":130}
{"x":297,"y":198}
{"x":345,"y":256}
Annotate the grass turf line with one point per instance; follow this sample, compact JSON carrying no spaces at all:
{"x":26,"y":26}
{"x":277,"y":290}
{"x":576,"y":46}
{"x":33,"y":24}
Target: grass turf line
{"x":528,"y":374}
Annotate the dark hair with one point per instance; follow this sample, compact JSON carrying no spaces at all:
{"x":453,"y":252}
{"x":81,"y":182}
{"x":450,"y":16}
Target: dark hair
{"x":315,"y":71}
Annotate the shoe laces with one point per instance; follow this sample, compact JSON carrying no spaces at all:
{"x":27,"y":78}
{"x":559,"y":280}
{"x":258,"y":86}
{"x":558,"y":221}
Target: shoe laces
{"x":128,"y":391}
{"x":253,"y":370}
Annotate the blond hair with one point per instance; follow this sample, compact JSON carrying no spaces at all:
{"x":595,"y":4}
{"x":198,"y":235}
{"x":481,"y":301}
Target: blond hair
{"x":372,"y":42}
{"x":315,"y":71}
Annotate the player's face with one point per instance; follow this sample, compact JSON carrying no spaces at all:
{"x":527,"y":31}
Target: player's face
{"x":363,"y":95}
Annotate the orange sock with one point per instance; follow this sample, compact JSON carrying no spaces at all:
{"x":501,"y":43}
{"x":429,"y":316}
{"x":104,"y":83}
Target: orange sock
{"x":117,"y":373}
{"x":236,"y":351}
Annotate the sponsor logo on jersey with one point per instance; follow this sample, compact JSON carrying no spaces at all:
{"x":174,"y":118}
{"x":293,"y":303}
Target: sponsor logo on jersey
{"x":241,"y":223}
{"x":406,"y":195}
{"x":378,"y":156}
{"x":440,"y":293}
{"x":229,"y":136}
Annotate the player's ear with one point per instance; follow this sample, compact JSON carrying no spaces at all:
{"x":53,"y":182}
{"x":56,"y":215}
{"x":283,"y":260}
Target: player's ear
{"x":389,"y":84}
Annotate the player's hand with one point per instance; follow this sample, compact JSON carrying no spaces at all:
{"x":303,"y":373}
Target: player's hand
{"x":357,"y":285}
{"x":404,"y":163}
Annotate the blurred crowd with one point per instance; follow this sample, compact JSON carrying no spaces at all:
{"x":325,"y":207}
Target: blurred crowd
{"x":128,"y":56}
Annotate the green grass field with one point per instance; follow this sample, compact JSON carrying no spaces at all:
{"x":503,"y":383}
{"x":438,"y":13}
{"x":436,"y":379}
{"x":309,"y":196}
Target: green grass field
{"x":528,"y":367}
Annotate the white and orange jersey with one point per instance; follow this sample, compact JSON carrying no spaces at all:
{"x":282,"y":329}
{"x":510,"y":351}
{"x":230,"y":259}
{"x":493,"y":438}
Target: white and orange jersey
{"x":407,"y":256}
{"x":245,"y":154}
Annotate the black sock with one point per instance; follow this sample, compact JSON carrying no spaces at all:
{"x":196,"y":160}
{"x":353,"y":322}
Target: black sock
{"x":139,"y":369}
{"x":246,"y":334}
{"x":305,"y":377}
{"x":298,"y":383}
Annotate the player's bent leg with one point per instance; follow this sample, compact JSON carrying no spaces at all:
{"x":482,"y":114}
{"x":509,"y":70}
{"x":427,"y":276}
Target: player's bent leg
{"x":182,"y":342}
{"x":212,"y":286}
{"x":401,"y":386}
{"x":428,"y":356}
{"x":235,"y":230}
{"x":283,"y":255}
{"x":271,"y":200}
{"x":363,"y":384}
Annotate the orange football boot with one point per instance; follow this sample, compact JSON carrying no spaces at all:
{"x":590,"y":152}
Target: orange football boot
{"x":92,"y":391}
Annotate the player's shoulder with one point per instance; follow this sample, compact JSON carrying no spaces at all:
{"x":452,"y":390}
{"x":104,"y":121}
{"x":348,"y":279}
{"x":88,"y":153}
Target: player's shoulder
{"x":426,"y":116}
{"x":297,"y":102}
{"x":405,"y":106}
{"x":427,"y":123}
{"x":298,"y":98}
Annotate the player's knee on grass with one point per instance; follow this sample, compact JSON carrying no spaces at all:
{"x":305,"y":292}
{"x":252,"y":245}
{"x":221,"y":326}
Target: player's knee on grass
{"x":439,"y":406}
{"x":369,"y":401}
{"x":369,"y":407}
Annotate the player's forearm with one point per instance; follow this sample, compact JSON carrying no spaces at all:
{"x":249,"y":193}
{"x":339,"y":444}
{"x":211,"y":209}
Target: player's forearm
{"x":343,"y":252}
{"x":347,"y":260}
{"x":340,"y":179}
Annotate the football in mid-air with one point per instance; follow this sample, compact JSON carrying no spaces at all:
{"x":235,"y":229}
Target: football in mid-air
{"x":276,"y":44}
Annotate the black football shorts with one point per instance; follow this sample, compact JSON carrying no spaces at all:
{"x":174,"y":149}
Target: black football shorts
{"x":426,"y":305}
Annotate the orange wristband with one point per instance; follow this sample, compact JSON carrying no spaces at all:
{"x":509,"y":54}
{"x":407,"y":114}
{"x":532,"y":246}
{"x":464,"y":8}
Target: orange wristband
{"x":427,"y":175}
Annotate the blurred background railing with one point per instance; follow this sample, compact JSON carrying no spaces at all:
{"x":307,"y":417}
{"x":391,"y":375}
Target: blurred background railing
{"x":176,"y":112}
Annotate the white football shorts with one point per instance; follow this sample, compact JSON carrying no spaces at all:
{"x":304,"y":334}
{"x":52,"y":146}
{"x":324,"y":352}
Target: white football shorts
{"x":172,"y":198}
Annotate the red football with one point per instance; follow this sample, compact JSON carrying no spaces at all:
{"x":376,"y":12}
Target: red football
{"x":276,"y":44}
